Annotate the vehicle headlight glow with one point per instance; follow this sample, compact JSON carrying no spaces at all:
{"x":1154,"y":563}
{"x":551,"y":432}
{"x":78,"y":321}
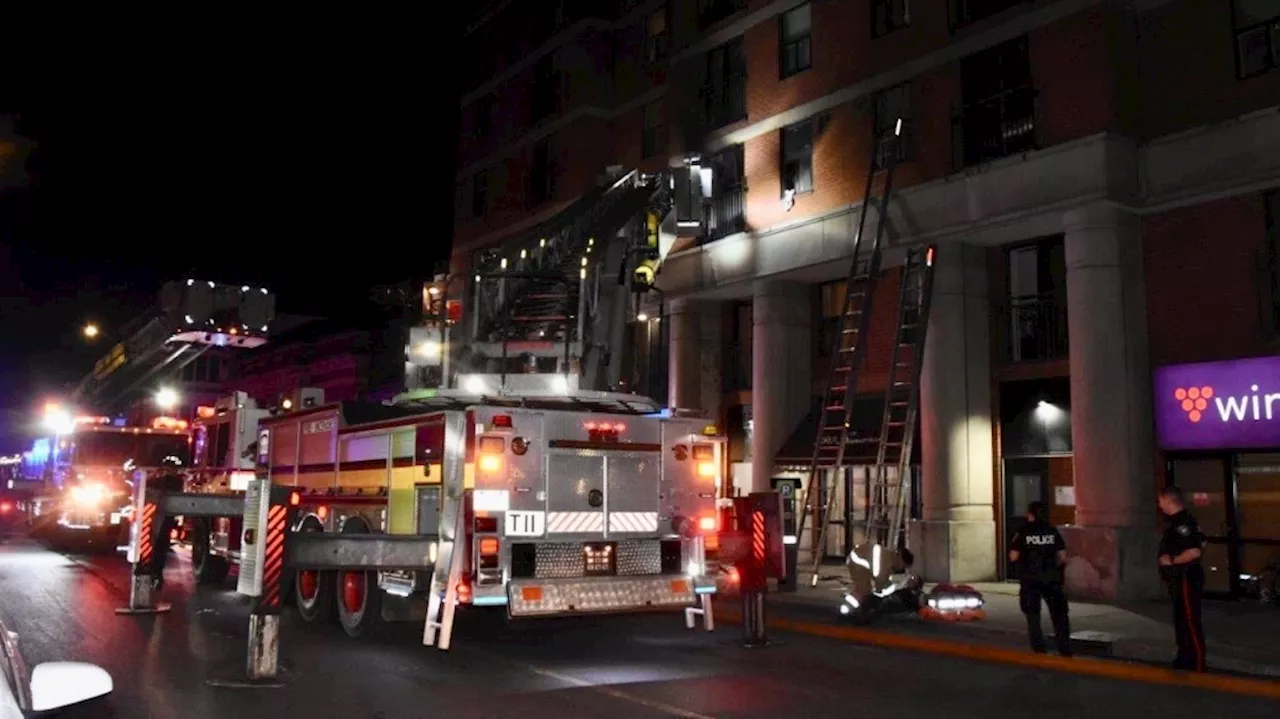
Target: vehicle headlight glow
{"x":89,"y":494}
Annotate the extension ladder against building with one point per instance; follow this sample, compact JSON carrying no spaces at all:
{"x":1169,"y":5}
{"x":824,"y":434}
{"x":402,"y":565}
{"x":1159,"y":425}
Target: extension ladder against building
{"x":889,"y":484}
{"x":834,"y":445}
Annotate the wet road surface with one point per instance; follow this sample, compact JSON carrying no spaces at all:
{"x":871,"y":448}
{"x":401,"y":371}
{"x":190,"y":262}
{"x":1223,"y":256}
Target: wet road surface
{"x":617,"y":668}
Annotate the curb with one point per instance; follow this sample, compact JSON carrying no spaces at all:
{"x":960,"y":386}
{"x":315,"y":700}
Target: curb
{"x":1108,"y":669}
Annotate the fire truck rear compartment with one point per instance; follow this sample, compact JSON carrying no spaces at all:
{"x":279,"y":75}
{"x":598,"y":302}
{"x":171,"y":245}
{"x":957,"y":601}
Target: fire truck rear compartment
{"x":572,"y":560}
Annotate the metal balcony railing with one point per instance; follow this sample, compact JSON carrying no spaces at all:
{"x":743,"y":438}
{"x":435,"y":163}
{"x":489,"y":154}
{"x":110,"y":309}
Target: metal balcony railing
{"x":994,"y":127}
{"x":727,"y":214}
{"x":1033,"y":328}
{"x":725,"y":103}
{"x":711,"y":12}
{"x":967,"y":12}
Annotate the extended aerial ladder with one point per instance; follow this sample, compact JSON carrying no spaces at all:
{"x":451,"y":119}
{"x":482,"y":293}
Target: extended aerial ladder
{"x":188,"y":319}
{"x":836,"y":447}
{"x":556,"y":295}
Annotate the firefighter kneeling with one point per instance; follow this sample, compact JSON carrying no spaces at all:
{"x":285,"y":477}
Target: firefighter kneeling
{"x":881,"y":582}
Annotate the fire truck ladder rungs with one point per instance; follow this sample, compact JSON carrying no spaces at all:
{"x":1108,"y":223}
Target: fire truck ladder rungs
{"x":832,"y":440}
{"x":442,"y":598}
{"x":887,"y":508}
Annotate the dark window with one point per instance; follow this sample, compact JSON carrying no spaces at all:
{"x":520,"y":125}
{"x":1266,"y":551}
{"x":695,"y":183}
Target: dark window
{"x":797,"y":158}
{"x":728,"y":191}
{"x":480,"y":193}
{"x":544,"y":100}
{"x":542,"y":176}
{"x":657,"y":35}
{"x":1270,"y":269}
{"x":1037,"y":301}
{"x":1257,"y":30}
{"x":794,"y":50}
{"x":891,"y":106}
{"x":484,"y":115}
{"x":889,"y":15}
{"x":725,"y":93}
{"x":965,"y":12}
{"x":997,"y":117}
{"x":711,"y":12}
{"x":651,"y":138}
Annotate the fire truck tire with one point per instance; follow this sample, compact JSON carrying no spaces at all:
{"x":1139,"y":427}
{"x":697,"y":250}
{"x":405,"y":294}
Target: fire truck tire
{"x":312,"y":590}
{"x":359,"y":600}
{"x":207,"y":568}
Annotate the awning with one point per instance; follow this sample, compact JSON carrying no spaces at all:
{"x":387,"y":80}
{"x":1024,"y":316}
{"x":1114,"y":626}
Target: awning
{"x":868,"y":411}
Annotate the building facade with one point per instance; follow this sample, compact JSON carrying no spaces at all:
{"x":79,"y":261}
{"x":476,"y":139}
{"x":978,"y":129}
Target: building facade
{"x":1100,"y":179}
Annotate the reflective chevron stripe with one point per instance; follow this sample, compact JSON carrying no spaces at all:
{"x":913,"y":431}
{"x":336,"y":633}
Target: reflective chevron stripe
{"x":633,"y":521}
{"x":574,"y":522}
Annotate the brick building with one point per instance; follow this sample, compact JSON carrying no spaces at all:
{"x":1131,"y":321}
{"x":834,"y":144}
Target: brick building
{"x":1101,"y":179}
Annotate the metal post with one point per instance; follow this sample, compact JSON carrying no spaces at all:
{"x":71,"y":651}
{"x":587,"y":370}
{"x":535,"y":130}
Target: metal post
{"x":147,"y":517}
{"x":264,"y":646}
{"x":753,"y":620}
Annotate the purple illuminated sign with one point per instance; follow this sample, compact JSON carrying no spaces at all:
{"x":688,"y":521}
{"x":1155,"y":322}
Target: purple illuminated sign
{"x":1219,"y":405}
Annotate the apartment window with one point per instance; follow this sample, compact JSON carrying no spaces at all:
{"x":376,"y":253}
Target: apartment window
{"x":728,"y":193}
{"x":544,"y":98}
{"x":725,"y":94}
{"x":651,"y":137}
{"x":890,"y":106}
{"x":480,"y":193}
{"x":996,"y":117}
{"x":1257,"y":30}
{"x":797,"y":158}
{"x":794,"y":49}
{"x":966,"y":12}
{"x":711,"y":12}
{"x":889,"y":15}
{"x":657,"y":35}
{"x":542,"y":176}
{"x":1037,"y":301}
{"x":483,"y":108}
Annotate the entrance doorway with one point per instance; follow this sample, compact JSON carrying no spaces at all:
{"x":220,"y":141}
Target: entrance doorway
{"x":1234,"y":498}
{"x":1026,"y":480}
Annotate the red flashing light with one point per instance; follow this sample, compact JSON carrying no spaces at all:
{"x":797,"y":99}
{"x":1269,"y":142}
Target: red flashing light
{"x":464,"y":592}
{"x":707,"y":524}
{"x":295,"y":499}
{"x":5,"y":507}
{"x":501,"y":421}
{"x":604,"y":431}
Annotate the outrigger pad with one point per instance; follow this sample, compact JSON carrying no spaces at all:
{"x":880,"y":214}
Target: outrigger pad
{"x":158,"y":608}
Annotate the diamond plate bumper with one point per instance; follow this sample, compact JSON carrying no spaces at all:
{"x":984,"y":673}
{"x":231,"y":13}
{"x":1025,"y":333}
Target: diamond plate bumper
{"x":598,"y":595}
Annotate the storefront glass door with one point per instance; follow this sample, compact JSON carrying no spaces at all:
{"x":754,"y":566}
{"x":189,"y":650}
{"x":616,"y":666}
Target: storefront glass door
{"x":1257,"y":511}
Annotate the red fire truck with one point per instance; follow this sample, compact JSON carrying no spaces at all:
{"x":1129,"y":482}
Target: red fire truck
{"x":87,"y":473}
{"x":572,"y":502}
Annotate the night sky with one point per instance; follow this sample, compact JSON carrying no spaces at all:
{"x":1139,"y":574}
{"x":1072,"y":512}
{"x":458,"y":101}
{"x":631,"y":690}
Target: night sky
{"x":315,"y":169}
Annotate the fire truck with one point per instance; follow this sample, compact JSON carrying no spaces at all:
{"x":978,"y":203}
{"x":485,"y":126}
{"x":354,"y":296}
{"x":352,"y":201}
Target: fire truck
{"x":573,"y":501}
{"x":88,"y":472}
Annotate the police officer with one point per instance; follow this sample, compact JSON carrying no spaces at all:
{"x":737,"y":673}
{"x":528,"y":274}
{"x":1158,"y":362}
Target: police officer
{"x":1181,"y":548}
{"x":1039,"y":554}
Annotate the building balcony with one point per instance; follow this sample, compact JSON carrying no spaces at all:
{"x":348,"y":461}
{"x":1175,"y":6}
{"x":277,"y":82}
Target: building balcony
{"x":726,"y":214}
{"x":711,"y":12}
{"x":725,"y":104}
{"x":967,"y":12}
{"x":994,"y":127}
{"x":1032,"y":329}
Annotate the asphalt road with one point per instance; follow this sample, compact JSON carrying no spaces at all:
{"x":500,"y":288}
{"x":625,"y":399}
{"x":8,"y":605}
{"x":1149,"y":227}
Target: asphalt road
{"x":619,"y":668}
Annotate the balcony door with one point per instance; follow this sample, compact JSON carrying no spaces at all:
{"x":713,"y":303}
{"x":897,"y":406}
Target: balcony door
{"x":1038,"y":300}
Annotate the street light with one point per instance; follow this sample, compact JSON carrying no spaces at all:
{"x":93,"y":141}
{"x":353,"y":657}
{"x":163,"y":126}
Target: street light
{"x":91,"y":331}
{"x":166,"y":398}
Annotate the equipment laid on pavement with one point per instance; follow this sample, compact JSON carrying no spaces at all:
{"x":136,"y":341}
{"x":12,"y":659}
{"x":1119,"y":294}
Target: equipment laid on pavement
{"x":953,"y":602}
{"x":836,"y":448}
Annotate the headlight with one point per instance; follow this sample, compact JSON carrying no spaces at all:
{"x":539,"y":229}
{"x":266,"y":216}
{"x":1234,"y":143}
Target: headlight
{"x":89,"y":494}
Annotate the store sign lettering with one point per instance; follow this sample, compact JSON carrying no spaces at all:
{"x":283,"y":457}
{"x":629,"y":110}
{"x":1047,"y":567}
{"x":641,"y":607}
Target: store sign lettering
{"x":1219,"y":405}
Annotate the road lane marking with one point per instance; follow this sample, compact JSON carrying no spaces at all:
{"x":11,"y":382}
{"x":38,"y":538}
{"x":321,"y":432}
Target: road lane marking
{"x":1104,"y":668}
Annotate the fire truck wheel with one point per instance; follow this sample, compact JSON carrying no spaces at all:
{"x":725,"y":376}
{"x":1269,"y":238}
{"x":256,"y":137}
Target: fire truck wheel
{"x":313,"y":591}
{"x":359,"y":599}
{"x":207,"y":568}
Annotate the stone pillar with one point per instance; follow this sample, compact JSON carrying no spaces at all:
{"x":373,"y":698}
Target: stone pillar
{"x":1113,"y":546}
{"x":956,"y":538}
{"x":781,"y":371}
{"x":695,"y":356}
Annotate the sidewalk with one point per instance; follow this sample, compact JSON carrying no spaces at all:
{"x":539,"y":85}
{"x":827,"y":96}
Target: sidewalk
{"x":1242,"y":638}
